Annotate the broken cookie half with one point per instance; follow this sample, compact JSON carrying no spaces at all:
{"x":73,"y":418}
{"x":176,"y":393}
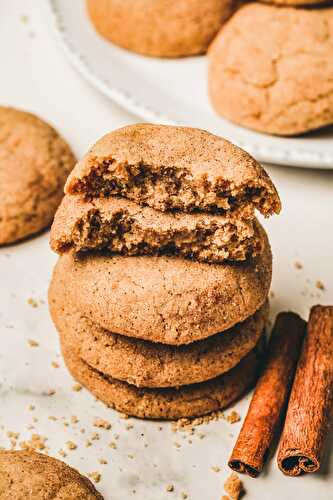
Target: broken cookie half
{"x":122,"y":226}
{"x":174,"y":168}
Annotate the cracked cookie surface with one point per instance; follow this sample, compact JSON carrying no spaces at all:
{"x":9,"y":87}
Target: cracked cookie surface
{"x":30,"y":475}
{"x":166,"y":299}
{"x":271,"y":69}
{"x":168,"y":403}
{"x":148,"y":364}
{"x":174,"y":168}
{"x":34,"y":164}
{"x":121,"y":226}
{"x":162,"y":28}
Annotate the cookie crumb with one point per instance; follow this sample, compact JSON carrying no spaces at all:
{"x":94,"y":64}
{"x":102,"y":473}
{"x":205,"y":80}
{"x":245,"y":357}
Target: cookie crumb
{"x":233,"y":417}
{"x":95,"y":436}
{"x":88,"y":443}
{"x":95,"y":476}
{"x":62,"y":453}
{"x":71,"y":445}
{"x":31,"y":407}
{"x":320,"y":285}
{"x":184,"y":495}
{"x":102,"y":424}
{"x":169,"y":488}
{"x":33,"y":343}
{"x":50,"y":392}
{"x":74,"y":419}
{"x":32,"y":302}
{"x":233,"y":486}
{"x":76,"y":387}
{"x":36,"y":442}
{"x":216,"y":468}
{"x":298,"y":265}
{"x":54,"y":364}
{"x":102,"y":461}
{"x":113,"y":445}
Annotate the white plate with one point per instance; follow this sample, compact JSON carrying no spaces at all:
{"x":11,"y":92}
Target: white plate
{"x":171,"y":91}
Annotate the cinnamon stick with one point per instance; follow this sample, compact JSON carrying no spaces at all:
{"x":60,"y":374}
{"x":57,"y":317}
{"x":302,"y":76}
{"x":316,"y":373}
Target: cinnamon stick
{"x":311,"y":399}
{"x":270,"y":396}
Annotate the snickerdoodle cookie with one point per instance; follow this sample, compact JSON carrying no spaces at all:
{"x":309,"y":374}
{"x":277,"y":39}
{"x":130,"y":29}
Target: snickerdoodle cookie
{"x":166,"y":299}
{"x":162,"y":28}
{"x":122,"y":226}
{"x":170,"y":168}
{"x":148,"y":364}
{"x":29,"y":475}
{"x":34,"y":164}
{"x":271,"y":69}
{"x":169,"y":403}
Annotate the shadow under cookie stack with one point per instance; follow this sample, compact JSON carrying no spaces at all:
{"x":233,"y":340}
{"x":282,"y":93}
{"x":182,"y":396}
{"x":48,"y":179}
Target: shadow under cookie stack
{"x":160,"y":292}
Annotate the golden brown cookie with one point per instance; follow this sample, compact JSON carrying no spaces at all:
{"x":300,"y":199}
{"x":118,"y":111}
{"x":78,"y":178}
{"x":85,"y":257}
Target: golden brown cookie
{"x":121,"y":226}
{"x":188,"y":401}
{"x":34,"y":164}
{"x":165,"y":299}
{"x":162,"y":28}
{"x":148,"y":364}
{"x":174,"y":168}
{"x":271,"y":69}
{"x":27,"y":475}
{"x":297,"y":3}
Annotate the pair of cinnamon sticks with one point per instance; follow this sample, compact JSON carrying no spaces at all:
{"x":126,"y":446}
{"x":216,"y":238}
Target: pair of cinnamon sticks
{"x":300,"y":364}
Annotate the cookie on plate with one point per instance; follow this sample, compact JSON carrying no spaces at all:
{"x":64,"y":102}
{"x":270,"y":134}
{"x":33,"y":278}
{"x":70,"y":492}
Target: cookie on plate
{"x":148,"y":364}
{"x":169,"y":403}
{"x":166,"y":299}
{"x":122,"y":226}
{"x":271,"y":69}
{"x":162,"y":28}
{"x":174,"y":168}
{"x":29,"y":475}
{"x":34,"y":164}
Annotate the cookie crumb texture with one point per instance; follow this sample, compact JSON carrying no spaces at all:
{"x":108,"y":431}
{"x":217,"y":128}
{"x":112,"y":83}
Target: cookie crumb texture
{"x":30,"y":475}
{"x":34,"y":164}
{"x":174,"y":168}
{"x":121,"y":226}
{"x":162,"y":28}
{"x":234,"y":486}
{"x":270,"y":69}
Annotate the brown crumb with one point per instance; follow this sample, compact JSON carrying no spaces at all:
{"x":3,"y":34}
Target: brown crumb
{"x":32,"y":302}
{"x":169,"y":488}
{"x":184,"y":495}
{"x":320,"y":285}
{"x":77,"y":387}
{"x":130,"y":456}
{"x":71,"y":445}
{"x":50,"y":392}
{"x":233,"y":417}
{"x":53,"y":418}
{"x":233,"y":486}
{"x":33,"y":343}
{"x":216,"y":469}
{"x":95,"y":476}
{"x":36,"y":442}
{"x":102,"y":461}
{"x":31,"y":407}
{"x":88,"y":443}
{"x":113,"y":445}
{"x":298,"y":265}
{"x":129,"y":427}
{"x":188,"y":424}
{"x":54,"y":364}
{"x":102,"y":424}
{"x":95,"y":436}
{"x":62,"y":453}
{"x":74,"y":419}
{"x":14,"y":435}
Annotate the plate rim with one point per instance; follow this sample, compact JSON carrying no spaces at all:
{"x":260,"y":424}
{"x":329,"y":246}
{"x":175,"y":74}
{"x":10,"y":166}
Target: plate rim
{"x":298,"y":158}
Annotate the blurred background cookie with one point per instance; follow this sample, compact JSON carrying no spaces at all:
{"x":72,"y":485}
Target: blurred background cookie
{"x":271,"y":69}
{"x":162,"y":28}
{"x":34,"y":164}
{"x":30,"y":475}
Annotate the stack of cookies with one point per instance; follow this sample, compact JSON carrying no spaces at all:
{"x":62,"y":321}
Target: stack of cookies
{"x":160,"y":291}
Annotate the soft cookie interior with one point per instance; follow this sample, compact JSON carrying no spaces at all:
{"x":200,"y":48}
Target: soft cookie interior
{"x":121,"y":226}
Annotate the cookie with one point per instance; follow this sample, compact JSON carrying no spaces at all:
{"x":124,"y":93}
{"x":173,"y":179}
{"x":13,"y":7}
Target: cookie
{"x":188,"y":401}
{"x":270,"y":69}
{"x":162,"y":28}
{"x":174,"y":168}
{"x":297,"y":3}
{"x":29,"y":475}
{"x":148,"y":364}
{"x":121,"y":226}
{"x":34,"y":164}
{"x":165,"y":299}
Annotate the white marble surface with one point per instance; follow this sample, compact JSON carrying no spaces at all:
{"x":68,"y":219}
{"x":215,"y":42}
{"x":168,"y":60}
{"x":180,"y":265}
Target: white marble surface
{"x":35,"y":76}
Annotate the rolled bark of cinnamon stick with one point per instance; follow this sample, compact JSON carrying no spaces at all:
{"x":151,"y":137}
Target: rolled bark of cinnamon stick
{"x":311,"y":400}
{"x":270,"y":396}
